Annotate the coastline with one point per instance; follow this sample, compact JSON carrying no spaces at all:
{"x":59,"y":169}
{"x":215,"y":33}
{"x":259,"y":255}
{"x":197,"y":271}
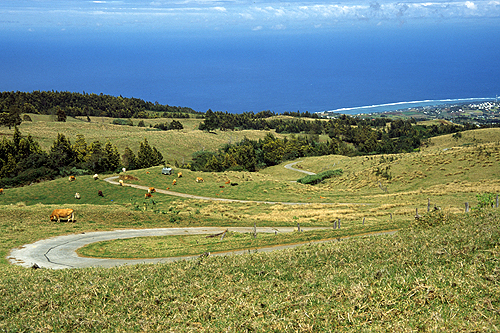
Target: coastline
{"x":405,"y":105}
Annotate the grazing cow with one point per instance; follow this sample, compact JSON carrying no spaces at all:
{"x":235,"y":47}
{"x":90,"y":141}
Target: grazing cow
{"x":121,"y":182}
{"x":147,"y":172}
{"x":151,"y":190}
{"x":96,"y":176}
{"x":228,"y":182}
{"x":67,"y":214}
{"x":179,"y":174}
{"x":1,"y":190}
{"x":99,"y":193}
{"x":71,"y":178}
{"x":77,"y":195}
{"x":148,"y":195}
{"x":174,"y":181}
{"x":234,"y":184}
{"x":199,"y":180}
{"x":123,"y":169}
{"x":221,"y":186}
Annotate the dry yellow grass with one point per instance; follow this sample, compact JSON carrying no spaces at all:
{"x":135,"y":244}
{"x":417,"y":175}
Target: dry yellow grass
{"x":174,"y":145}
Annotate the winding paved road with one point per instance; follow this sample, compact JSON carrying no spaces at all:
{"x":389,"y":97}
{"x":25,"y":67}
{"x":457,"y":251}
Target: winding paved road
{"x":289,"y":166}
{"x":60,"y":252}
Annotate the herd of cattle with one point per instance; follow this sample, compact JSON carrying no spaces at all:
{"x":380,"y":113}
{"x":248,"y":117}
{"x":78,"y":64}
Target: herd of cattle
{"x":69,"y":214}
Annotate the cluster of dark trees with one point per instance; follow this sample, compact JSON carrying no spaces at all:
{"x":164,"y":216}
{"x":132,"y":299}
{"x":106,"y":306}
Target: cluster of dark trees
{"x":83,"y":104}
{"x":249,"y":120}
{"x":22,"y":161}
{"x":174,"y":125}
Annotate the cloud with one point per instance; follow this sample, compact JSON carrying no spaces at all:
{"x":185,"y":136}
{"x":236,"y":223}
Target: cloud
{"x":279,"y":27}
{"x":470,"y":5}
{"x":248,"y":14}
{"x":257,"y":28}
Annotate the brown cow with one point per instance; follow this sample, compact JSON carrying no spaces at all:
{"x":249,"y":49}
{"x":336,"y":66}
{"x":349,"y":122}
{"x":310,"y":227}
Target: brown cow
{"x":179,"y":174}
{"x":1,"y":190}
{"x":147,"y":195}
{"x":71,"y":178}
{"x":174,"y":181}
{"x":199,"y":180}
{"x":67,"y":214}
{"x":151,"y":190}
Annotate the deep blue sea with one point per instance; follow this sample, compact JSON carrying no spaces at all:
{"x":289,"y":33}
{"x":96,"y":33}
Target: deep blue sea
{"x":331,"y":70}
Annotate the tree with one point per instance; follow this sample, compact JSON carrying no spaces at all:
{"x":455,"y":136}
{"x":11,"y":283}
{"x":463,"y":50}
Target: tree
{"x":61,"y":115}
{"x":80,"y":148}
{"x":12,"y":117}
{"x":9,"y":167}
{"x":148,"y":156}
{"x":61,"y":152}
{"x":273,"y":149}
{"x":129,"y":160}
{"x":111,"y":158}
{"x":175,"y":124}
{"x":95,"y":159}
{"x":211,"y":122}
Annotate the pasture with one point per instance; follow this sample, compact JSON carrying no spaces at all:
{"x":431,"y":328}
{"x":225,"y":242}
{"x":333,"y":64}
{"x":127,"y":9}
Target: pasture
{"x":439,"y":273}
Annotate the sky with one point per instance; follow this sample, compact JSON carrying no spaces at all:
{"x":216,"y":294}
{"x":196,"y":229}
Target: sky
{"x":232,"y":16}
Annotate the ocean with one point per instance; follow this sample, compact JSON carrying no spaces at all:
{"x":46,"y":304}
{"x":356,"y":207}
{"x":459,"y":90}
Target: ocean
{"x":335,"y":69}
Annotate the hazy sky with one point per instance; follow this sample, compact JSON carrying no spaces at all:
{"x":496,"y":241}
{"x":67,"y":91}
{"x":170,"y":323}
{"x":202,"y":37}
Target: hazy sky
{"x":233,"y":15}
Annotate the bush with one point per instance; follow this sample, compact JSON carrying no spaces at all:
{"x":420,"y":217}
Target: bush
{"x":318,"y":178}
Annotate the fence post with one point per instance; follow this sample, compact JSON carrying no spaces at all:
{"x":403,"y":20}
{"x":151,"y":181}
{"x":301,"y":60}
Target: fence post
{"x":496,"y":202}
{"x":298,"y":227}
{"x":466,"y":207}
{"x":391,"y":216}
{"x":338,"y":226}
{"x":364,"y":220}
{"x":335,"y":225}
{"x":254,"y":230}
{"x":428,"y":205}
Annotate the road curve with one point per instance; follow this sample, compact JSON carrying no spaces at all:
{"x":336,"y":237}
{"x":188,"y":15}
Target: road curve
{"x":60,"y":252}
{"x":289,"y":166}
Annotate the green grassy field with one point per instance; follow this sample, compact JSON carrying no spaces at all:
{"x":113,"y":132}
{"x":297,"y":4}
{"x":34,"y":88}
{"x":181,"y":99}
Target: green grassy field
{"x":443,"y":277}
{"x":439,"y":274}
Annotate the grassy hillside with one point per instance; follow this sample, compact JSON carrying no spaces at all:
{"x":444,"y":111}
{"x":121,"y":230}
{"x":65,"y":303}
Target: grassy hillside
{"x":438,"y":274}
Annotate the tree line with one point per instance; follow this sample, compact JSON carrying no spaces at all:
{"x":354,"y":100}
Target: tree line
{"x":82,"y":104}
{"x":23,"y":161}
{"x":348,"y":136}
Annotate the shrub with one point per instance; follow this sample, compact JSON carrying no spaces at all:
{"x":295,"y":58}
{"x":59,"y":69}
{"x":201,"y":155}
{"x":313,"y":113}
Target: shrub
{"x":318,"y":178}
